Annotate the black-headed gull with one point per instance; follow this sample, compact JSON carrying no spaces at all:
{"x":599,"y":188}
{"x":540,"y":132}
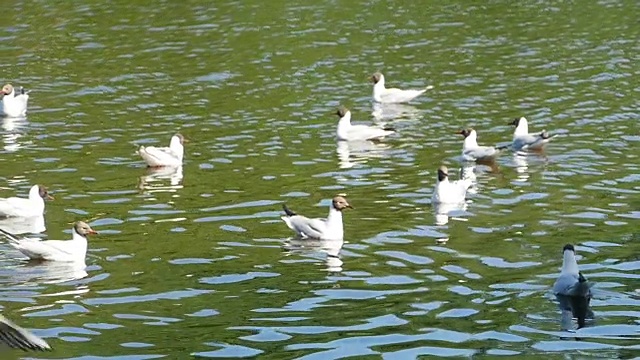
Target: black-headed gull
{"x":446,"y":191}
{"x":324,"y":229}
{"x":572,"y":290}
{"x":392,"y":95}
{"x":471,"y":151}
{"x":348,"y":132}
{"x":15,"y":337}
{"x":522,"y":140}
{"x":32,"y":206}
{"x":164,"y":156}
{"x":74,"y":250}
{"x":14,"y":102}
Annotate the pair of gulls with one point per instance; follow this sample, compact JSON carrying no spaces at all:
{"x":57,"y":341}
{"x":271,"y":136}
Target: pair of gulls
{"x":73,"y":250}
{"x":383,"y":95}
{"x":522,"y":141}
{"x":331,"y":228}
{"x":14,"y":101}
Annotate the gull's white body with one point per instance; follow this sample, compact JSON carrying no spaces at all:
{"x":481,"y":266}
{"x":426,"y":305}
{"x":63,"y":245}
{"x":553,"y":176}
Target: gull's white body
{"x":452,"y":192}
{"x":15,"y":105}
{"x":19,"y":207}
{"x":348,"y":132}
{"x":325,"y":229}
{"x":14,"y":337}
{"x":163,"y":156}
{"x":392,"y":95}
{"x":471,"y":151}
{"x":522,"y":140}
{"x":74,"y":250}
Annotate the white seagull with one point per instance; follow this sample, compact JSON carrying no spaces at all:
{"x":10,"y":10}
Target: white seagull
{"x":471,"y":151}
{"x":32,"y":206}
{"x":383,"y":95}
{"x":164,"y":156}
{"x":572,"y":291}
{"x":74,"y":250}
{"x":522,"y":140}
{"x":323,"y":229}
{"x":14,"y":103}
{"x":348,"y":132}
{"x":445,"y":191}
{"x":15,"y":337}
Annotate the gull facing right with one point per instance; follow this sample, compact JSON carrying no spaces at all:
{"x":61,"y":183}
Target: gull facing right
{"x":348,"y":132}
{"x":393,"y":95}
{"x":14,"y":103}
{"x":322,"y":229}
{"x":15,"y":337}
{"x":522,"y":140}
{"x":74,"y":250}
{"x":471,"y":151}
{"x":445,"y":191}
{"x":32,"y":206}
{"x":164,"y":156}
{"x":572,"y":290}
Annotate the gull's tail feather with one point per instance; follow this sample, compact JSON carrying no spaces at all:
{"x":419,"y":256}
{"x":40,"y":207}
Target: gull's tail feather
{"x":10,"y":236}
{"x":545,"y":135}
{"x":389,"y":128}
{"x":428,"y":87}
{"x":503,"y":147}
{"x":288,"y":211}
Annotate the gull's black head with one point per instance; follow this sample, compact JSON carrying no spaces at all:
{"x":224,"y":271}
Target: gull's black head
{"x":568,"y":247}
{"x":515,"y":122}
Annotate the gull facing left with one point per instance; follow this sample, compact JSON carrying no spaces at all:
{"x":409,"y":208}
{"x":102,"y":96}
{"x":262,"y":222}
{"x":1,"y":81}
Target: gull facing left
{"x":471,"y":151}
{"x":164,"y":156}
{"x":393,"y":95}
{"x":14,"y":103}
{"x":322,"y":229}
{"x":348,"y":132}
{"x":74,"y":250}
{"x":445,"y":191}
{"x":522,"y":140}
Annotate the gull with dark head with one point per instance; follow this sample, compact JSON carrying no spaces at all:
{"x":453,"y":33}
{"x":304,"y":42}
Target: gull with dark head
{"x":164,"y":156}
{"x":572,"y":290}
{"x":324,"y":229}
{"x":445,"y":191}
{"x":14,"y":102}
{"x":522,"y":140}
{"x":32,"y":206}
{"x":348,"y":132}
{"x":14,"y":337}
{"x":471,"y":151}
{"x":74,"y":250}
{"x":382,"y":94}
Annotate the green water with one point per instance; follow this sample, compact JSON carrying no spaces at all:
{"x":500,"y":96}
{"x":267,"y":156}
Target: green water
{"x":200,"y":267}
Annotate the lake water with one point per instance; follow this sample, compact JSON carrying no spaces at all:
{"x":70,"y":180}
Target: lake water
{"x":198,"y":264}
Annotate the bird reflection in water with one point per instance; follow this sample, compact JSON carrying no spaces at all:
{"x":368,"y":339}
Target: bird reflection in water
{"x":313,"y":248}
{"x":351,"y":153}
{"x":386,"y":112}
{"x":13,"y":130}
{"x":156,"y":178}
{"x":23,"y":225}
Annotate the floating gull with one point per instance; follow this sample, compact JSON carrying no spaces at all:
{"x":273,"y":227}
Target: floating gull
{"x":522,"y":140}
{"x":32,"y":206}
{"x":392,"y":95}
{"x":164,"y":156}
{"x":572,"y":290}
{"x":325,"y":229}
{"x":348,"y":132}
{"x":14,"y":103}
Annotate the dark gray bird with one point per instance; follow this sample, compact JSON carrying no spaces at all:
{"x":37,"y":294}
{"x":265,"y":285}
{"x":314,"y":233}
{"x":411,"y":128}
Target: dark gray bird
{"x":572,"y":290}
{"x":15,"y":337}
